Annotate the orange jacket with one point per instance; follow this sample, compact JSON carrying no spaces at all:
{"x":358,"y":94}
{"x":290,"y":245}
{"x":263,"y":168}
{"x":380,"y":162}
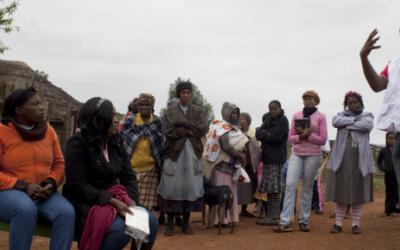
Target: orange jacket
{"x":29,"y":161}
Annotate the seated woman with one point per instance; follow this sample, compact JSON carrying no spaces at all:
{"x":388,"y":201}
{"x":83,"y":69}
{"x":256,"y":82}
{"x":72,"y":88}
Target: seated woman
{"x":100,"y":181}
{"x":223,"y":152}
{"x":31,"y":168}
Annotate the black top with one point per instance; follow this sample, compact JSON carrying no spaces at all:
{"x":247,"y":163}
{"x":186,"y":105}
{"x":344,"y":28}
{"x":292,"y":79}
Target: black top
{"x":273,"y":135}
{"x":89,"y":175}
{"x":385,"y":160}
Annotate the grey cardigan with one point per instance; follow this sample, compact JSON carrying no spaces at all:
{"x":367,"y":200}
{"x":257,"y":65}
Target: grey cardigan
{"x":359,"y":128}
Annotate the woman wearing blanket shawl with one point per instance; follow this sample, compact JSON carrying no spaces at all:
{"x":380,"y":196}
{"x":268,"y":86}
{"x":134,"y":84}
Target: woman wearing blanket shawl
{"x":181,"y":186}
{"x":351,"y":164}
{"x":225,"y":142}
{"x":144,"y":143}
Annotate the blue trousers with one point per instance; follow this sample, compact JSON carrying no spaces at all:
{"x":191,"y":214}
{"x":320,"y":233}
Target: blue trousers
{"x":18,"y":209}
{"x":117,"y":239}
{"x":300,"y":167}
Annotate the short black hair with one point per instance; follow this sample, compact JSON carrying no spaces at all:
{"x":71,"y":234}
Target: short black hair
{"x":14,"y":100}
{"x":95,"y":118}
{"x":276,"y":102}
{"x":182,"y":86}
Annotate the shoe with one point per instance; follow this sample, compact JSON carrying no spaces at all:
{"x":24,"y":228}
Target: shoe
{"x":178,"y":221}
{"x":223,"y":225}
{"x":247,"y":214}
{"x":267,"y":222}
{"x":319,"y":212}
{"x":336,"y":229}
{"x":283,"y":229}
{"x":161,"y":220}
{"x":169,"y":230}
{"x":186,"y":229}
{"x":304,"y":227}
{"x":356,"y":230}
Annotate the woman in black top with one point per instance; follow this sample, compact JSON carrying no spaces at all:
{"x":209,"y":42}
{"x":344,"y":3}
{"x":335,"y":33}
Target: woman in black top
{"x":95,"y":163}
{"x":385,"y":164}
{"x":273,"y":135}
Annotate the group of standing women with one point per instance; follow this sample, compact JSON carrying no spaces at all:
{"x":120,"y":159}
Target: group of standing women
{"x":350,"y":167}
{"x":154,"y":162}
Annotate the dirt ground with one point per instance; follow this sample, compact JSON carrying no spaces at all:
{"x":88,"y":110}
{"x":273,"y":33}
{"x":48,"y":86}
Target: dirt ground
{"x":379,"y":232}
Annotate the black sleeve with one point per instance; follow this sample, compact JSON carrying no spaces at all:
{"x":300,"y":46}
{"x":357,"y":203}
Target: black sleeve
{"x":380,"y":161}
{"x":276,"y":134}
{"x":127,"y":178}
{"x":76,"y":168}
{"x":261,"y":133}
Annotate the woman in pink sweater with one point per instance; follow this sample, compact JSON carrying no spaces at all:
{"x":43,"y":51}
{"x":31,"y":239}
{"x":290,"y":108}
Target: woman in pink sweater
{"x":308,"y":133}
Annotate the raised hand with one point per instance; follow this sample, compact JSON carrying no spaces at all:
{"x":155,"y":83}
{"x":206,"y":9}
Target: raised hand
{"x":370,"y":44}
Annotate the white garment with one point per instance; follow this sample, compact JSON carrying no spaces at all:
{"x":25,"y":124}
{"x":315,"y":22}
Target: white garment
{"x":389,"y":114}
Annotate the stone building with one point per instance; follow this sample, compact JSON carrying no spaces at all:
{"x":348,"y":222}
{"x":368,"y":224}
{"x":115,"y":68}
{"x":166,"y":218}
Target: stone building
{"x":61,"y":108}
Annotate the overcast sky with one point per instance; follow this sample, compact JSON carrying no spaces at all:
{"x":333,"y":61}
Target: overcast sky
{"x":247,"y":52}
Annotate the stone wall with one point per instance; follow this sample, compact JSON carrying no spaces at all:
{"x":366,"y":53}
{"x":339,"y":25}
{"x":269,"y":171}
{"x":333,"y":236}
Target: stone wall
{"x":61,"y":108}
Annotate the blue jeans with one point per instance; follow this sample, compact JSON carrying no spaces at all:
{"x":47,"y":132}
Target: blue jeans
{"x":304,"y":167}
{"x":18,"y":209}
{"x":117,"y":239}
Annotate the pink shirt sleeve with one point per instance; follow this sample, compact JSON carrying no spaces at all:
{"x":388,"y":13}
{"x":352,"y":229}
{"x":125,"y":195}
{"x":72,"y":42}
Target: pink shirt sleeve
{"x":322,"y":135}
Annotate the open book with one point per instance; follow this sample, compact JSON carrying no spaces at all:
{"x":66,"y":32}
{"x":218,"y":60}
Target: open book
{"x":137,"y":224}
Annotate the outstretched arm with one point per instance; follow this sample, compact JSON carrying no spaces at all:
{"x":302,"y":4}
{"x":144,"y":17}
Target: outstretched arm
{"x":375,"y":81}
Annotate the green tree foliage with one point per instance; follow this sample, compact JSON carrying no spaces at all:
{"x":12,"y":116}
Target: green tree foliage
{"x":6,"y":20}
{"x":41,"y":75}
{"x":197,"y":99}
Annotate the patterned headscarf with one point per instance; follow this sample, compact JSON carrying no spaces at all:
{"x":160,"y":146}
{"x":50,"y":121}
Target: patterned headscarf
{"x":149,"y":97}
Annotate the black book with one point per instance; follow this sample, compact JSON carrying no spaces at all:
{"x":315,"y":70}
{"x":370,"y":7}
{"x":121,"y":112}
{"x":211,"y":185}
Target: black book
{"x":302,"y":123}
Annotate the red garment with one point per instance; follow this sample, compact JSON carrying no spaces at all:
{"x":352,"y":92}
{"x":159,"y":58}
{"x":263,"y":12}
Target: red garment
{"x":385,"y":72}
{"x":100,"y":219}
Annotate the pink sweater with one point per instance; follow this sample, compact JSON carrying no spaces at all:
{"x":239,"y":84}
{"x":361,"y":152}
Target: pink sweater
{"x":314,"y":143}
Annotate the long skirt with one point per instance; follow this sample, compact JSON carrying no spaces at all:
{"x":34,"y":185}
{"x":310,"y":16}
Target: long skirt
{"x":271,"y":181}
{"x":148,"y":184}
{"x":347,"y":186}
{"x":246,"y":190}
{"x":220,"y":179}
{"x":181,"y":186}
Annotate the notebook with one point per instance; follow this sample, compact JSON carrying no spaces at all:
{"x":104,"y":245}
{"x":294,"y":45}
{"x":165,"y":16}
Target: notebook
{"x":302,"y":123}
{"x":137,"y":223}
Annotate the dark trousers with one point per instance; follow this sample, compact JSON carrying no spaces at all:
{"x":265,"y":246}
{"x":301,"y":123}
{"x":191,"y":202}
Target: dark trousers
{"x":315,"y":205}
{"x":391,"y":191}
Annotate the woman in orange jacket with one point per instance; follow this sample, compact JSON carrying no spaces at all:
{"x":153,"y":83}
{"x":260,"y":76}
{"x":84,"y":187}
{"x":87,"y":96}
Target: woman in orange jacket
{"x":31,"y":168}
